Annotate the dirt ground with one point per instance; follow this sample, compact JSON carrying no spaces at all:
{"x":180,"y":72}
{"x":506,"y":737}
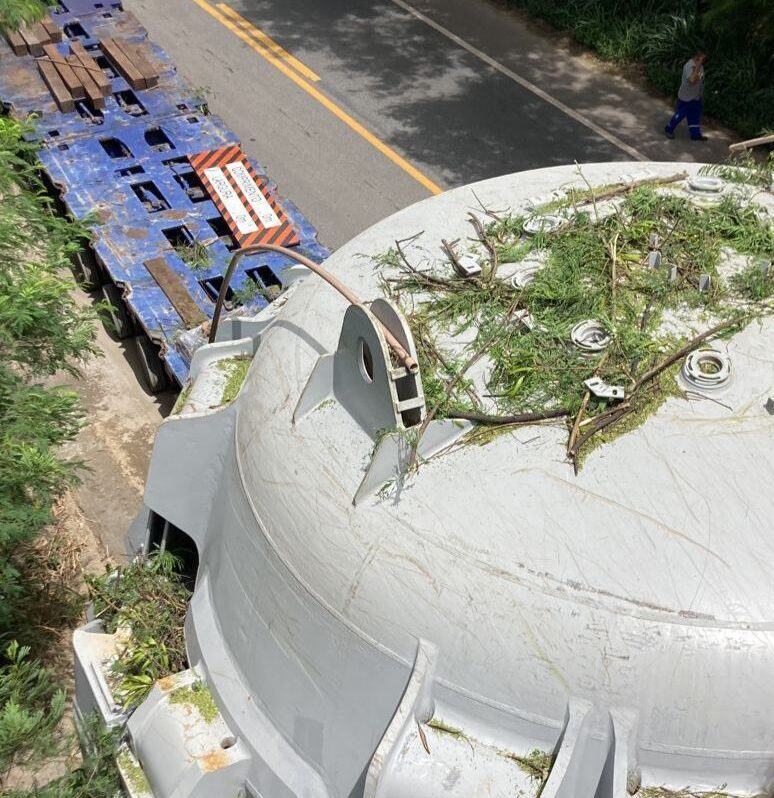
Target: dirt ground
{"x":117,"y":438}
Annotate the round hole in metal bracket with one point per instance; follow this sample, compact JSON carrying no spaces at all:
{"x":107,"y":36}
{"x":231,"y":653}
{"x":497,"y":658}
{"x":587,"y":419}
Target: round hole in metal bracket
{"x":365,"y":360}
{"x":590,"y":336}
{"x":228,"y":742}
{"x":707,"y":369}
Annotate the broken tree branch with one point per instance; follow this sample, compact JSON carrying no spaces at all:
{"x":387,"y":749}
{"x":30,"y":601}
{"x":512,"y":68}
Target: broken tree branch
{"x":487,"y":242}
{"x":519,"y":418}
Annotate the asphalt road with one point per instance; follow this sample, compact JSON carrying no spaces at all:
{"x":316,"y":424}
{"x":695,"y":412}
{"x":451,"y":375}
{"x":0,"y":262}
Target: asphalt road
{"x":460,"y":95}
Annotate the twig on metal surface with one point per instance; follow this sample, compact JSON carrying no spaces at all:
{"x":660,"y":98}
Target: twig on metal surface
{"x":452,"y":383}
{"x":487,"y":242}
{"x":615,"y":414}
{"x":488,"y":211}
{"x":430,"y":279}
{"x":519,"y":418}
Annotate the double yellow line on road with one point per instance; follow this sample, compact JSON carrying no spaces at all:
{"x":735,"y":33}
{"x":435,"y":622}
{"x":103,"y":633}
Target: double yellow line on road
{"x":303,"y":77}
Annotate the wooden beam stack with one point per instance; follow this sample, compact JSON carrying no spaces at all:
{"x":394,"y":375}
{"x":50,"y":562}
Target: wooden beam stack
{"x":73,"y":77}
{"x":33,"y":38}
{"x":131,"y":62}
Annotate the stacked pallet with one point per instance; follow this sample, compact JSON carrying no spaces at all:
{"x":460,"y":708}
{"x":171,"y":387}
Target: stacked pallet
{"x":73,"y":77}
{"x":33,"y":38}
{"x":131,"y":63}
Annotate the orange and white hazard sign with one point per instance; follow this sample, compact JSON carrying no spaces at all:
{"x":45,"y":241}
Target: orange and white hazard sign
{"x":243,"y":198}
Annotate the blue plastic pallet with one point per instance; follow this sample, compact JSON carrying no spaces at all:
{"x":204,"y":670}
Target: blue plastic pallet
{"x":84,"y":7}
{"x":123,"y":255}
{"x":145,"y":172}
{"x":98,"y":170}
{"x":90,"y":28}
{"x":23,"y":92}
{"x":137,"y":227}
{"x":127,"y":165}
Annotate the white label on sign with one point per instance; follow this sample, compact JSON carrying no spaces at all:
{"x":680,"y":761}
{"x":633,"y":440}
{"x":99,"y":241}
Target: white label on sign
{"x":254,"y":195}
{"x":229,"y":198}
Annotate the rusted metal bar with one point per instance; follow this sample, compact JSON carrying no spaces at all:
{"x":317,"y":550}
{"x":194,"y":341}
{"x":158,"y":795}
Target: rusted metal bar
{"x":408,"y":361}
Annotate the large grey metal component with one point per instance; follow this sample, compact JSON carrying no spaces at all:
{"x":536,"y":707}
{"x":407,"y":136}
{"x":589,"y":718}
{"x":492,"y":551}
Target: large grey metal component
{"x":424,"y":639}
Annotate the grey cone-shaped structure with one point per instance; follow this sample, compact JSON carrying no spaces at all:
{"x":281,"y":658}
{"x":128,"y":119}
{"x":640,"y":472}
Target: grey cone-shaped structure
{"x":489,"y":624}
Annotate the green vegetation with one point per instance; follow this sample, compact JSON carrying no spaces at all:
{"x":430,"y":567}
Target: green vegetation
{"x":15,"y":13}
{"x":685,"y":792}
{"x":96,"y":776}
{"x":182,"y":398}
{"x":199,"y":696}
{"x":756,"y":281}
{"x":31,"y":706}
{"x":445,"y":728}
{"x":536,"y":764}
{"x":236,"y":369}
{"x":132,"y":772}
{"x":661,"y":35}
{"x":42,"y":331}
{"x":148,"y":600}
{"x":195,"y":255}
{"x":595,"y":268}
{"x":743,"y":168}
{"x":202,"y":94}
{"x":250,"y":290}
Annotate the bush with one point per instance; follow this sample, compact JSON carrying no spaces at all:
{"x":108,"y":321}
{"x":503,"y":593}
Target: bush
{"x":661,"y":35}
{"x":31,"y":706}
{"x":42,"y":331}
{"x":14,"y":13}
{"x":147,"y":599}
{"x":95,"y":777}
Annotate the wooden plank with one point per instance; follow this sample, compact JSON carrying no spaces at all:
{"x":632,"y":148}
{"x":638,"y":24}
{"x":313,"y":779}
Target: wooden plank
{"x":40,"y":33}
{"x":96,"y":72}
{"x":35,"y":36}
{"x":135,"y":54}
{"x":745,"y":145}
{"x":69,"y":78}
{"x":124,"y":66}
{"x":170,"y":282}
{"x":56,"y":87}
{"x":93,"y":94}
{"x":16,"y":42}
{"x":53,"y":30}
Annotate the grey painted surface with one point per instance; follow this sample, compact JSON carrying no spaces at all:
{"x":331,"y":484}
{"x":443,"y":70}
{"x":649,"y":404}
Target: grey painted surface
{"x":620,"y":619}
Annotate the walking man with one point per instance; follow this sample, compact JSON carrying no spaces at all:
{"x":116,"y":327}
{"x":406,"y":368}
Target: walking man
{"x":689,"y":99}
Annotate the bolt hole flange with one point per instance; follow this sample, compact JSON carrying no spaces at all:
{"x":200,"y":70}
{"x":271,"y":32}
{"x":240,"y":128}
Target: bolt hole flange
{"x":524,"y":274}
{"x":590,"y":336}
{"x":707,"y":369}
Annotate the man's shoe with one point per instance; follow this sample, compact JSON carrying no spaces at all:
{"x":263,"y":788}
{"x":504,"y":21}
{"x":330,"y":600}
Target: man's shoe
{"x":669,"y":134}
{"x":699,"y":138}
